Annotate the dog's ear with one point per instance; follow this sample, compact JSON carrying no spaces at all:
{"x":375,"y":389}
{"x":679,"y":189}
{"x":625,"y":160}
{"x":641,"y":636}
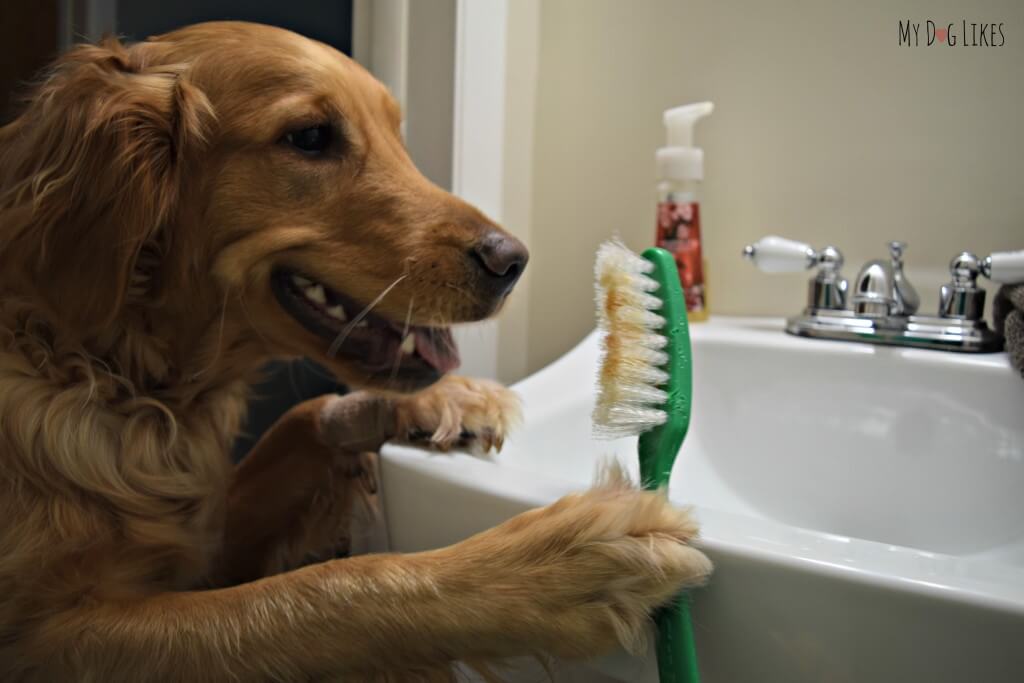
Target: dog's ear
{"x":90,"y":173}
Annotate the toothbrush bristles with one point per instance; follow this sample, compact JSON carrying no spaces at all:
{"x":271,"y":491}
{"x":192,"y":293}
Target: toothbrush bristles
{"x":629,"y":396}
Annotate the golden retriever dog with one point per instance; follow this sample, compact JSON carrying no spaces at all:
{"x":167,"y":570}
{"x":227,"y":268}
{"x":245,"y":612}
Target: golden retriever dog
{"x":174,"y":214}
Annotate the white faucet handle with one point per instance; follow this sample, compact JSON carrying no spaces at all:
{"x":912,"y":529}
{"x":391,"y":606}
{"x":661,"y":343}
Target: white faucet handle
{"x":1005,"y":267}
{"x":774,"y":254}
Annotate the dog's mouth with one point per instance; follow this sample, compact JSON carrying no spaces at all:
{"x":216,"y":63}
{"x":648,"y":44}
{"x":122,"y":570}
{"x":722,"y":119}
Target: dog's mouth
{"x":381,"y":348}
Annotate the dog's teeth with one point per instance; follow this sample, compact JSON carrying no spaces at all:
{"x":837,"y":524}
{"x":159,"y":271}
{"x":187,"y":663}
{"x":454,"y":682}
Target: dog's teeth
{"x":408,"y":345}
{"x":362,"y":323}
{"x":301,"y":281}
{"x":316,"y":293}
{"x":338,"y":312}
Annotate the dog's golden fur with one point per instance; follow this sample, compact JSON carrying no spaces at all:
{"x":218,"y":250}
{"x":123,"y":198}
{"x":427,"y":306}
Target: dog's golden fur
{"x":145,"y":199}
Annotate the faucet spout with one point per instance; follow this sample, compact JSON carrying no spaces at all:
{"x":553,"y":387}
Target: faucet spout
{"x":873,"y":290}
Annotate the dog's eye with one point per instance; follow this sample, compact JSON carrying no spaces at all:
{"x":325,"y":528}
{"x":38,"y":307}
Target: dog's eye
{"x":312,"y":140}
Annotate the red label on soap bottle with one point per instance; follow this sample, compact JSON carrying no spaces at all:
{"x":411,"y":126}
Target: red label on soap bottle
{"x":679,"y":234}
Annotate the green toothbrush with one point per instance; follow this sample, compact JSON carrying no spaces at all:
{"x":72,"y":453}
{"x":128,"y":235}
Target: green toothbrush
{"x":645,"y":388}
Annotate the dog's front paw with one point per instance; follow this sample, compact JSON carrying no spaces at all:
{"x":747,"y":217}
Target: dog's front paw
{"x":588,"y":570}
{"x":458,"y":412}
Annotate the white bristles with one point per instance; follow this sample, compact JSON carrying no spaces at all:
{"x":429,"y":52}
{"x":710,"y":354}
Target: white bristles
{"x":629,"y":398}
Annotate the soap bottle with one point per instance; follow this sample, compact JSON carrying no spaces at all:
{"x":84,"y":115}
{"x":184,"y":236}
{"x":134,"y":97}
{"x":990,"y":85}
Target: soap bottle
{"x":680,"y":172}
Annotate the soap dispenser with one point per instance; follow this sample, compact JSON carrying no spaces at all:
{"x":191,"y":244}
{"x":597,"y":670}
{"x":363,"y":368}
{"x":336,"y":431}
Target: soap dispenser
{"x":680,"y":172}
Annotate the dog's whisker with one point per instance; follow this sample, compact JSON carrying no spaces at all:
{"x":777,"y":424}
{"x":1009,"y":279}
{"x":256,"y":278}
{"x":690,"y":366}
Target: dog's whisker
{"x":405,"y":331}
{"x":245,"y":310}
{"x":408,"y":316}
{"x":343,"y":335}
{"x":252,"y":323}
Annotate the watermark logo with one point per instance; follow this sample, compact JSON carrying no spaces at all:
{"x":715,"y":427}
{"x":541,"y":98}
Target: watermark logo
{"x":956,"y":34}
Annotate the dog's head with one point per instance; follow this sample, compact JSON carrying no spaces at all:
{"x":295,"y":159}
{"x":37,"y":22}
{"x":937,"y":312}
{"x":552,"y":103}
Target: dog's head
{"x":249,"y":168}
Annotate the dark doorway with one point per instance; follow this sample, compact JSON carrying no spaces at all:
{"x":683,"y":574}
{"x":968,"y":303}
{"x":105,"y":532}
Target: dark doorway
{"x":329,"y":21}
{"x":28,"y":30}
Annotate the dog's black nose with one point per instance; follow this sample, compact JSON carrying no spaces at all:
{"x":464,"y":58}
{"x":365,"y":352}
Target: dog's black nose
{"x":501,"y":257}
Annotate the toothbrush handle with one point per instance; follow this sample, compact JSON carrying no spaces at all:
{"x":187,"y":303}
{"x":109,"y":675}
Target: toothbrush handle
{"x":657,"y":448}
{"x":677,"y":651}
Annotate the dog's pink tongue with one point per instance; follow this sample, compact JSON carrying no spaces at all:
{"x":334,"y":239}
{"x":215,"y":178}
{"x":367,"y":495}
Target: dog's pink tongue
{"x":437,"y":347}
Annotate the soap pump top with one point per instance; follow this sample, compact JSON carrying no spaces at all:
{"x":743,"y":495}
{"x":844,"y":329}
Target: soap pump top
{"x":679,"y":159}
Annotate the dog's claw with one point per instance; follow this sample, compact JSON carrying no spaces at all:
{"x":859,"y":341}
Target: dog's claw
{"x":490,"y":440}
{"x":459,"y":413}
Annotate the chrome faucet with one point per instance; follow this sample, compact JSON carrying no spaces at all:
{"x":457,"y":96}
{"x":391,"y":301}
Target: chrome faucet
{"x":882,"y":290}
{"x":882,"y":307}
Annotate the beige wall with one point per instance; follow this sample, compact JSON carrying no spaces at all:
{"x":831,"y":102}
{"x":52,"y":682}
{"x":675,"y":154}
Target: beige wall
{"x":824,"y":131}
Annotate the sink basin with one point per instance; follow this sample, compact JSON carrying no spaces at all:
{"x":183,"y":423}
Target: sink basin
{"x":864,"y":505}
{"x":911,"y":448}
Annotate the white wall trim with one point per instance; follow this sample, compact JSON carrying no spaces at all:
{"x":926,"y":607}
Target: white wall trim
{"x":430,"y":88}
{"x":85,"y":20}
{"x":478,"y":143}
{"x":491,"y":136}
{"x":362,"y":31}
{"x":522,"y":57}
{"x":389,"y":44}
{"x":478,"y":161}
{"x":496,"y":56}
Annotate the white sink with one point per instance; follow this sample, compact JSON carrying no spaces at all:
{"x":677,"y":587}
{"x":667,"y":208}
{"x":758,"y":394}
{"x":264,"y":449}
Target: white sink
{"x":864,"y":505}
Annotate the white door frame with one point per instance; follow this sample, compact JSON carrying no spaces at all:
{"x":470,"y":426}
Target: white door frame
{"x":495,"y":61}
{"x":478,"y":143}
{"x":495,"y":83}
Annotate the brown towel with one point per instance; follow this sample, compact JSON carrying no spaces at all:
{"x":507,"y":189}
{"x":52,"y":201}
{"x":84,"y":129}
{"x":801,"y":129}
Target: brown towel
{"x":1008,"y":315}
